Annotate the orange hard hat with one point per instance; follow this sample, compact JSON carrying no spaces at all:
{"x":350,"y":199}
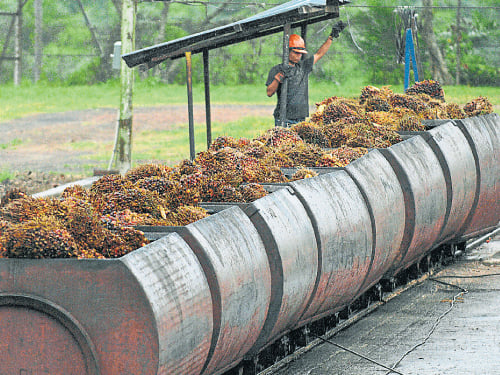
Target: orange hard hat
{"x":297,"y":43}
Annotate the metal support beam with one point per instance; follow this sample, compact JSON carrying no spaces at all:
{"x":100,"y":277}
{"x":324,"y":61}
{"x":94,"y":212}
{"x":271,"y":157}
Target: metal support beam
{"x":287,"y":30}
{"x":189,"y":84}
{"x":208,"y":113}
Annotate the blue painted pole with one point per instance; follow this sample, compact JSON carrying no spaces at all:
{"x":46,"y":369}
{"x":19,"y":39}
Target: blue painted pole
{"x":410,"y":59}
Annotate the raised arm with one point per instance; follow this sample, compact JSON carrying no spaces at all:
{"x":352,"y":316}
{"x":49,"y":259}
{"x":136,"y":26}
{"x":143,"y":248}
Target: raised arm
{"x":336,"y":30}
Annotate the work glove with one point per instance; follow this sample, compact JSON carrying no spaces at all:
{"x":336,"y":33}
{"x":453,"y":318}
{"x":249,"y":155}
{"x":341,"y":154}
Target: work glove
{"x":337,"y":29}
{"x":286,"y":69}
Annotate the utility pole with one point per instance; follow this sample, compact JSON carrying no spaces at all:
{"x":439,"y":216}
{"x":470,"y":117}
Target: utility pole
{"x":122,"y":153}
{"x":38,"y":39}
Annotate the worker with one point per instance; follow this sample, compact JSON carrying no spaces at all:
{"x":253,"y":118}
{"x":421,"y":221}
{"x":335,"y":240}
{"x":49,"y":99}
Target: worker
{"x":297,"y":74}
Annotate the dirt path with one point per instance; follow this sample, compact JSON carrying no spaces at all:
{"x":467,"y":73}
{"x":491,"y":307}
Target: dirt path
{"x":33,"y":146}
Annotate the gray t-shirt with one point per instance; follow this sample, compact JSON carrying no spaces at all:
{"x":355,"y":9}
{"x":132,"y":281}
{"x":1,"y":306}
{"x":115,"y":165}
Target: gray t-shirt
{"x":297,"y":105}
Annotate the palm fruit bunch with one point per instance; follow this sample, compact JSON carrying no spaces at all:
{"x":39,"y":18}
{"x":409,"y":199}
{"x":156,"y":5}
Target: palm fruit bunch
{"x":186,"y":167}
{"x":453,"y":111}
{"x":303,"y":173}
{"x":360,"y":133}
{"x":161,"y":185}
{"x":122,"y":241}
{"x":377,"y":104}
{"x":214,"y":190}
{"x":387,"y":119}
{"x":407,"y":101}
{"x":334,"y":132}
{"x":28,"y":208}
{"x":277,"y":158}
{"x":309,"y":132}
{"x":75,"y":191}
{"x":227,"y":141}
{"x":429,"y":87}
{"x":86,"y":227}
{"x":111,"y":183}
{"x":43,"y":237}
{"x":249,"y":167}
{"x":251,"y":192}
{"x":278,"y":135}
{"x":137,"y":200}
{"x":370,"y":92}
{"x":256,"y":149}
{"x":369,"y":135}
{"x":410,"y":123}
{"x":345,"y":155}
{"x":329,"y":160}
{"x":57,"y":228}
{"x":270,"y":173}
{"x":11,"y":195}
{"x":305,"y":154}
{"x":477,"y":107}
{"x":224,"y":164}
{"x":185,"y":215}
{"x":335,"y":111}
{"x":146,"y":170}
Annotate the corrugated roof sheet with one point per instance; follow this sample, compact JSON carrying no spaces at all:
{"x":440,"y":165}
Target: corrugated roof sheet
{"x":296,"y":12}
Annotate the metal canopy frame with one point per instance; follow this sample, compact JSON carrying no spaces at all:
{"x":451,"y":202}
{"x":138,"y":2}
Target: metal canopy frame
{"x":282,"y":18}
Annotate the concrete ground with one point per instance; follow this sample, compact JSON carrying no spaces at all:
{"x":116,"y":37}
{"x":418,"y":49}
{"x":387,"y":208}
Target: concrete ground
{"x":449,"y":324}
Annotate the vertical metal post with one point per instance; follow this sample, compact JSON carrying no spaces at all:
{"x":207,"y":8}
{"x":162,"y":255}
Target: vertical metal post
{"x":189,"y":84}
{"x":287,"y":30}
{"x":208,"y":113}
{"x":303,"y":34}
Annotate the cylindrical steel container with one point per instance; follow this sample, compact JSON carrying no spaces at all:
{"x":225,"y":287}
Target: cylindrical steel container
{"x":235,"y":263}
{"x":68,"y":316}
{"x":344,"y":232}
{"x":482,"y":132}
{"x":288,"y":235}
{"x":177,"y":289}
{"x":382,"y":191}
{"x":459,"y":169}
{"x":424,"y":188}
